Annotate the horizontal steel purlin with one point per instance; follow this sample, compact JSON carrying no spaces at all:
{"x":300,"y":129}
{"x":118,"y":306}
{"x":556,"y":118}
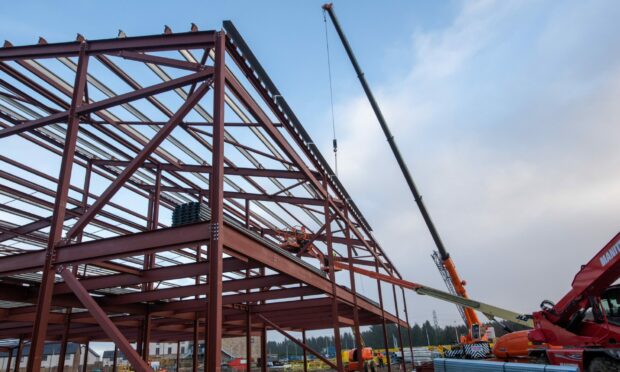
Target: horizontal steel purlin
{"x":123,"y":246}
{"x":12,"y":292}
{"x":249,"y":247}
{"x":107,"y":103}
{"x":233,"y":171}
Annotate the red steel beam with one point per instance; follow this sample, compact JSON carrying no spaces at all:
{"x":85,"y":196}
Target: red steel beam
{"x":332,"y":279}
{"x":297,"y":342}
{"x":273,"y":258}
{"x":159,"y":60}
{"x":44,"y":300}
{"x":157,"y":139}
{"x":248,"y":246}
{"x":233,"y":171}
{"x":110,"y":329}
{"x":356,"y":319}
{"x":322,"y":237}
{"x":213,"y":338}
{"x":400,"y":334}
{"x":176,"y":41}
{"x":408,"y":327}
{"x":109,"y":102}
{"x":261,"y":117}
{"x":33,"y":226}
{"x":195,"y":305}
{"x":154,"y":275}
{"x":18,"y":293}
{"x":192,"y":290}
{"x":248,"y":196}
{"x":122,"y":246}
{"x":383,"y":325}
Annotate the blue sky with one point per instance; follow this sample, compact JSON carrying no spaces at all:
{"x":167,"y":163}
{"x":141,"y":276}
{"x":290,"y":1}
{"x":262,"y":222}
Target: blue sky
{"x":507,"y":113}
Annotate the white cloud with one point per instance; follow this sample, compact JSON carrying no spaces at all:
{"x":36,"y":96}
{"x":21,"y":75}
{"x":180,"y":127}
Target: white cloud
{"x":508,"y":119}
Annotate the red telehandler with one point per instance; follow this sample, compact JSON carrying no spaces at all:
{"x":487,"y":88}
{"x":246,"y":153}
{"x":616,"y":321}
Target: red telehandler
{"x":583,"y":328}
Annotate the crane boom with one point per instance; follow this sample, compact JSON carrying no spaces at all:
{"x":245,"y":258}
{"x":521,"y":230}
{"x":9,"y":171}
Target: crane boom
{"x":489,"y":310}
{"x":448,"y":264}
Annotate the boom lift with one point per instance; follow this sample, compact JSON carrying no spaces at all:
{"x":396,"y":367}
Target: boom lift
{"x":444,"y":262}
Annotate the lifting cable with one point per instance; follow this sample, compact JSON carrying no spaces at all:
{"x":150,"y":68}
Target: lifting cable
{"x":331,"y":96}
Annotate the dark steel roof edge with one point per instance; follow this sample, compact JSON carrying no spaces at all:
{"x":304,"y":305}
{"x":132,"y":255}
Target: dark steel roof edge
{"x":110,"y":39}
{"x":279,"y":100}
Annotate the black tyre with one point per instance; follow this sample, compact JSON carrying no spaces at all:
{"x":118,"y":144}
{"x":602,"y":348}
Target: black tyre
{"x":540,"y":359}
{"x":603,"y":364}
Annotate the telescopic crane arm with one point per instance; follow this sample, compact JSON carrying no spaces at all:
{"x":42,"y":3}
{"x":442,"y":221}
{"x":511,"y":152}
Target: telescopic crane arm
{"x":448,"y":264}
{"x":489,"y":310}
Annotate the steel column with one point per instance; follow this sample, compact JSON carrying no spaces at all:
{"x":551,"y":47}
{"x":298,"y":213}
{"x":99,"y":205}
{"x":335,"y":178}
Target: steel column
{"x":385,"y":337}
{"x":65,"y":339}
{"x":213,"y":338}
{"x":85,"y":192}
{"x":356,"y":319}
{"x":246,"y":221}
{"x":18,"y":357}
{"x":196,"y":322}
{"x":139,"y":340}
{"x":102,"y":319}
{"x":149,"y":259}
{"x":8,"y":363}
{"x":408,"y":327}
{"x":115,"y":356}
{"x":303,"y":339}
{"x":195,"y":345}
{"x":332,"y":279}
{"x":248,"y":339}
{"x":85,"y":360}
{"x":44,"y":300}
{"x":248,"y":320}
{"x":263,"y":349}
{"x":178,"y":360}
{"x":400,"y":334}
{"x":146,"y":337}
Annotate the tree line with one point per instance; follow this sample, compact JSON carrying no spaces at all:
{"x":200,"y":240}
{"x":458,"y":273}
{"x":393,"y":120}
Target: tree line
{"x":421,"y":335}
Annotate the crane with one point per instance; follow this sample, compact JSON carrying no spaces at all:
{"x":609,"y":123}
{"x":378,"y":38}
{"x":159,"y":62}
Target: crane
{"x":490,"y":311}
{"x":442,"y":258}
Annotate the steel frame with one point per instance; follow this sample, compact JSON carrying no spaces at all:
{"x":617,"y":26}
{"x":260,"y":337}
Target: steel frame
{"x":90,"y":256}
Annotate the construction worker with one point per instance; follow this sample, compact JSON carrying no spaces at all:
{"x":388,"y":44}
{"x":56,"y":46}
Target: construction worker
{"x":381,"y":362}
